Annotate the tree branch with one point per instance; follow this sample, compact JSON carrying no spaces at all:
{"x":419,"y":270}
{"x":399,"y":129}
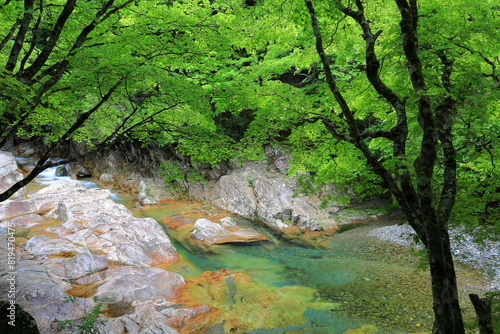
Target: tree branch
{"x":33,"y":38}
{"x":41,"y":166}
{"x":399,"y":133}
{"x":21,"y":34}
{"x":424,"y":164}
{"x":444,"y":122}
{"x":26,"y":75}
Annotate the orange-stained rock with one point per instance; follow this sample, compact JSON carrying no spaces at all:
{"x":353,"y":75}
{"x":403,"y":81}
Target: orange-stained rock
{"x":179,"y":222}
{"x":311,"y":239}
{"x":226,"y":231}
{"x":238,"y":302}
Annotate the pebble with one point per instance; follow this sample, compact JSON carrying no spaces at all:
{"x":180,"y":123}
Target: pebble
{"x":484,"y":256}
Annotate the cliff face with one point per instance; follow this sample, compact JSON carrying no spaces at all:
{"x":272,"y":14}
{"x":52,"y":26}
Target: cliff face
{"x":255,"y":190}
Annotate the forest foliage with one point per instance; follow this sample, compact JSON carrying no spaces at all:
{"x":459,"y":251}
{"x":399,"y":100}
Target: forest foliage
{"x":219,"y":80}
{"x":224,"y":79}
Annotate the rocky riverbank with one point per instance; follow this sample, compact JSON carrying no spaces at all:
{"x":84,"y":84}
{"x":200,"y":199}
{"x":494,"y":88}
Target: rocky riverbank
{"x":484,"y":256}
{"x":256,"y":190}
{"x":76,"y":248}
{"x":83,"y":262}
{"x":77,"y":254}
{"x":78,"y":251}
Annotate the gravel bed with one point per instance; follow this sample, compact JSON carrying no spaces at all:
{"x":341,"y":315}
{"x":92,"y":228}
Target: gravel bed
{"x":485,"y":256}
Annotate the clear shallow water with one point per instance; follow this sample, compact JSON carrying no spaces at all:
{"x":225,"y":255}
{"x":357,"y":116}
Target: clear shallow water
{"x":355,"y":282}
{"x":330,"y":278}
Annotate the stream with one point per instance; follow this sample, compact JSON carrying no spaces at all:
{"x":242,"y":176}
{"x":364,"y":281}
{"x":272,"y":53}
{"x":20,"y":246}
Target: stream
{"x":360,"y":280}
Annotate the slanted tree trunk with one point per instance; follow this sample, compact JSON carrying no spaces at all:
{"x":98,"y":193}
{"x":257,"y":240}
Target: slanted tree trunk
{"x":482,"y":306}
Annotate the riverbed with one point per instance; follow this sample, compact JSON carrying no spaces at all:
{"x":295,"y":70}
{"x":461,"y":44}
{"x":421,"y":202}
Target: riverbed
{"x":360,"y":280}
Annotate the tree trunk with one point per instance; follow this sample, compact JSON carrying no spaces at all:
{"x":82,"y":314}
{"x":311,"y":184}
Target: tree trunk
{"x":483,"y":313}
{"x":447,"y":313}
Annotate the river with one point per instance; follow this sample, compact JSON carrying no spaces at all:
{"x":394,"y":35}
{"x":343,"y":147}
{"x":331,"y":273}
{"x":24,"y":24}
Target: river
{"x":360,"y":280}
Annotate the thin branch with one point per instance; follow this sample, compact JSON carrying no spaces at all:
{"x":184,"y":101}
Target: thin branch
{"x":10,"y":33}
{"x":41,"y":166}
{"x":399,"y":133}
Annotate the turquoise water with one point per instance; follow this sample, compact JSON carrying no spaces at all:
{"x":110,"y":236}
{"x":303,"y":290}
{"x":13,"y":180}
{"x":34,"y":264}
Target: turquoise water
{"x":336,"y":277}
{"x":355,"y":282}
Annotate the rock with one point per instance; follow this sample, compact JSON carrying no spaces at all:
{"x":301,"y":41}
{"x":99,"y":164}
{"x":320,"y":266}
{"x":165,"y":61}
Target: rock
{"x":26,"y":221}
{"x":49,"y":197}
{"x":133,"y":284}
{"x":255,"y":192}
{"x":9,"y":174}
{"x":38,"y":293}
{"x":135,"y":241}
{"x":85,"y":264}
{"x":61,"y":171}
{"x":214,"y":233}
{"x":107,"y":178}
{"x":43,"y":245}
{"x":228,"y":222}
{"x":11,"y":209}
{"x":78,"y":170}
{"x":145,"y":320}
{"x":208,"y":231}
{"x":91,"y":231}
{"x":99,"y":224}
{"x":310,"y":239}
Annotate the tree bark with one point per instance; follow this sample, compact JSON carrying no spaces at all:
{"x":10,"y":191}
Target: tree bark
{"x":482,"y":306}
{"x":447,"y":313}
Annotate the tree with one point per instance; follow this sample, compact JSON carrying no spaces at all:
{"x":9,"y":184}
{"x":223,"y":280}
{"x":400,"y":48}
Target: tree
{"x":404,"y":106}
{"x":104,"y":72}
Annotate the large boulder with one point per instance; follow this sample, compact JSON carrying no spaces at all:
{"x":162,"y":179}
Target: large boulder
{"x":256,"y":192}
{"x":9,"y":174}
{"x":85,"y":251}
{"x":226,"y":231}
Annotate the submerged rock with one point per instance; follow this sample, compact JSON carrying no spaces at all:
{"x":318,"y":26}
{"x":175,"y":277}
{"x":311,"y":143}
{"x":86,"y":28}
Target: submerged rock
{"x":237,"y":304}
